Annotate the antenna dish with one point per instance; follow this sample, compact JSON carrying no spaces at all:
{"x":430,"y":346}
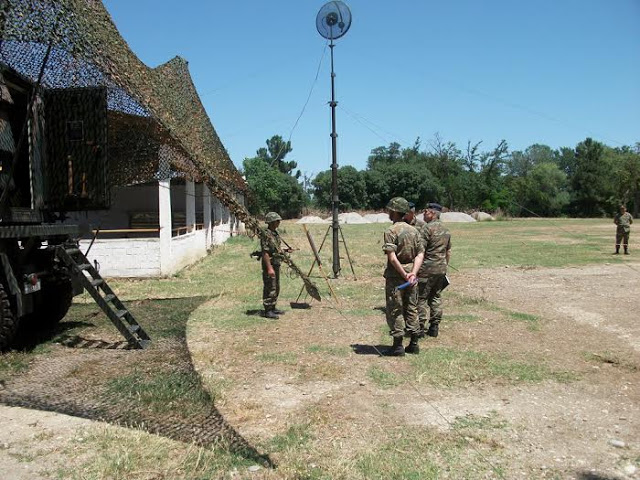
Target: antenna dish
{"x":333,"y":20}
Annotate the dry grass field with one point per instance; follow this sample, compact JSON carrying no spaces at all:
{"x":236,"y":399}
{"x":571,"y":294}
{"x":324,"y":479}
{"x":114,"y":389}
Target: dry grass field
{"x":535,"y":374}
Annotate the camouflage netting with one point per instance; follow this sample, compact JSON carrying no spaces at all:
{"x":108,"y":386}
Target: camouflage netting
{"x":149,"y":118}
{"x":86,"y":50}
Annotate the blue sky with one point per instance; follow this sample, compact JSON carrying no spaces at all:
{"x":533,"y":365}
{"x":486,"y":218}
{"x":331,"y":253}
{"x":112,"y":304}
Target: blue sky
{"x":551,"y":71}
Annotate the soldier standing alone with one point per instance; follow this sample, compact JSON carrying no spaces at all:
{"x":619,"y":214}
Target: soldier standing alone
{"x":432,"y":277}
{"x":405,"y":252}
{"x":623,"y":220}
{"x":270,"y":245}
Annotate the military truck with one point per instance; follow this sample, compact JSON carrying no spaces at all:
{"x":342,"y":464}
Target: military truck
{"x":53,"y":161}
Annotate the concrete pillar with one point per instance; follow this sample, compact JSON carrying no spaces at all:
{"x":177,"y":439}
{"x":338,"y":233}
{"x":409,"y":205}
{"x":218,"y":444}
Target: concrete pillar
{"x":164,"y":217}
{"x":206,"y":210}
{"x":190,"y":202}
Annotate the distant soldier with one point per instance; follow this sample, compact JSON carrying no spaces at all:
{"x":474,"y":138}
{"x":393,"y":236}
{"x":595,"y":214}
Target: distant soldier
{"x":411,"y":218}
{"x":404,"y":252}
{"x":270,"y":246}
{"x":623,"y":220}
{"x":432,"y":276}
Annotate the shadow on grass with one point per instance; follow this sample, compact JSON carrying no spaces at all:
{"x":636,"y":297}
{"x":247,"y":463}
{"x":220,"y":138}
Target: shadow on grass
{"x":85,"y":372}
{"x":595,"y":476}
{"x":29,"y":336}
{"x":377,"y":350}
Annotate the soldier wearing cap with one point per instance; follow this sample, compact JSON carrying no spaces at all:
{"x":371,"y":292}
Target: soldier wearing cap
{"x":432,"y":276}
{"x":411,"y":218}
{"x":623,"y":221}
{"x":270,"y":245}
{"x":404,"y":252}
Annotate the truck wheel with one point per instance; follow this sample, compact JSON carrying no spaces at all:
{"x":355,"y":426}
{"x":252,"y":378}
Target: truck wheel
{"x":56,"y":301}
{"x":8,"y":321}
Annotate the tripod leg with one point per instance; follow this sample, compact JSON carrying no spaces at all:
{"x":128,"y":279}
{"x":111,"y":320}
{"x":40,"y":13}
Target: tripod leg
{"x":347,"y":251}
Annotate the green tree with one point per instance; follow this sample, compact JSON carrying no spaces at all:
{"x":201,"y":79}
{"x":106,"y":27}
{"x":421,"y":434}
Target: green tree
{"x":593,"y":192}
{"x":352,"y":189}
{"x":274,"y":155}
{"x":272,"y":186}
{"x":544,"y":191}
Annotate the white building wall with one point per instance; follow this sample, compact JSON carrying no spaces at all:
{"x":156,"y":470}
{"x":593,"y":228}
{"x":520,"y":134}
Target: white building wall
{"x":187,"y":249}
{"x":165,"y":254}
{"x":125,"y":257}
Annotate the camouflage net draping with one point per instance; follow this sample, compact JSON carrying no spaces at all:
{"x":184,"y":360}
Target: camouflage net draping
{"x":148,"y":118}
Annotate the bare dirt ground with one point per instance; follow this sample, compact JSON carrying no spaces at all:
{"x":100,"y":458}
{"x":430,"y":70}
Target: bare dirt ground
{"x":587,"y":428}
{"x":588,"y":323}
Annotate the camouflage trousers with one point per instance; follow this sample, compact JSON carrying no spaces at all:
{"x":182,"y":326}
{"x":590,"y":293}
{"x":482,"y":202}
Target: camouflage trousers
{"x":622,"y":238}
{"x":429,"y":300}
{"x":270,"y":288}
{"x":401,"y":308}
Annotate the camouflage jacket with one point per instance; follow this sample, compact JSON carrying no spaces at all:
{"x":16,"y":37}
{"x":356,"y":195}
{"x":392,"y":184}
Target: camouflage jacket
{"x":623,"y":221}
{"x":404,"y":240}
{"x":271,"y":244}
{"x":436,"y":240}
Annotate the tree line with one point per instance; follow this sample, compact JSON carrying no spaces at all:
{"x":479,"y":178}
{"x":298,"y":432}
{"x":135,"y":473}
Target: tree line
{"x":589,"y":180}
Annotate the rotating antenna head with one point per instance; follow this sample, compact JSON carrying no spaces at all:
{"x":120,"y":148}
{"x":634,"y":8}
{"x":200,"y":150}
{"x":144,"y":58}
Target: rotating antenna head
{"x":333,"y":20}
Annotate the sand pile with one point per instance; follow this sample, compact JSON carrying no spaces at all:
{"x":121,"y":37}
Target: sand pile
{"x":377,"y":218}
{"x":312,"y":219}
{"x":451,"y":217}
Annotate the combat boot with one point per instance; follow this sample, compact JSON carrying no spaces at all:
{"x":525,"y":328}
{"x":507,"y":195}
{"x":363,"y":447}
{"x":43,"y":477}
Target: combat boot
{"x":271,"y":314}
{"x":626,"y":251}
{"x":413,"y":346}
{"x":397,"y":350}
{"x":433,"y":330}
{"x":277,"y":311}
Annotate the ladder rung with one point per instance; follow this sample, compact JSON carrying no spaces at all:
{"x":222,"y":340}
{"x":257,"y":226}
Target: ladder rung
{"x":134,"y":328}
{"x":121,"y":313}
{"x":84,"y":266}
{"x":108,"y":298}
{"x":97,"y":282}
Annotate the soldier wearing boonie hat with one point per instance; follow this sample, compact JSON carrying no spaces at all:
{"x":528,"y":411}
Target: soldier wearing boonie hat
{"x":432,"y":276}
{"x":270,"y":246}
{"x":404,"y":251}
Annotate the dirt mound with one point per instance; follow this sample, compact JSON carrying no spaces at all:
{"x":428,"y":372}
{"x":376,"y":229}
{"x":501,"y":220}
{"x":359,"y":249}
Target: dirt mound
{"x":313,"y":219}
{"x":452,"y":217}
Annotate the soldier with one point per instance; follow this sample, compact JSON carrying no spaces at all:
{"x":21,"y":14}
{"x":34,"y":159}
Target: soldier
{"x":432,"y":276}
{"x":623,"y":220}
{"x":270,"y":245}
{"x":404,"y":252}
{"x":411,"y":218}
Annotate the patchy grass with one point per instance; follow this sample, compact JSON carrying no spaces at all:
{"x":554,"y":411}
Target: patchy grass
{"x":449,"y":367}
{"x":221,"y":296}
{"x":278,"y":358}
{"x":383,"y":378}
{"x":612,"y":359}
{"x":295,"y":437}
{"x":423,"y":454}
{"x":162,"y":392}
{"x":491,"y":421}
{"x":110,"y":453}
{"x":329,"y":350}
{"x":463,"y":317}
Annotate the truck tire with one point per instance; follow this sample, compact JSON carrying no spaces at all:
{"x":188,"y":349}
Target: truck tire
{"x":8,"y":321}
{"x":56,"y":301}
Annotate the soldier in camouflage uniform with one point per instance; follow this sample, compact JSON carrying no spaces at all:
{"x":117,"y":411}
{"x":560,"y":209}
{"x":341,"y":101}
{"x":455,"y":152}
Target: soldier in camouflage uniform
{"x":623,"y":220}
{"x":404,"y":252}
{"x":432,"y":274}
{"x":270,"y":245}
{"x":411,"y":218}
